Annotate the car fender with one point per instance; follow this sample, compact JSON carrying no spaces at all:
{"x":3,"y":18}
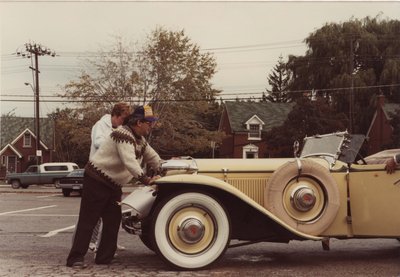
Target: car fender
{"x":217,"y":183}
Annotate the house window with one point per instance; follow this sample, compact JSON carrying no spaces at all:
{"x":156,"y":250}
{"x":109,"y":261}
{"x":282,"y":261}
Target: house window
{"x":27,"y":140}
{"x":31,"y":158}
{"x":3,"y":160}
{"x":254,"y":131}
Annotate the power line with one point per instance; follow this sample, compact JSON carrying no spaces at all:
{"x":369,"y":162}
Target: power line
{"x":217,"y":97}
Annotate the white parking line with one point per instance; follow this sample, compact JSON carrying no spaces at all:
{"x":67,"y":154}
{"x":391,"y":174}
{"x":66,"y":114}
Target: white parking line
{"x":45,"y":196}
{"x":55,"y":232}
{"x":33,"y":209}
{"x":48,"y":215}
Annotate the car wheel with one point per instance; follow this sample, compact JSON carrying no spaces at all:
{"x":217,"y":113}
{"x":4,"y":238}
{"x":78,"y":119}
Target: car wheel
{"x":190,"y":230}
{"x":56,"y":183}
{"x":15,"y":184}
{"x":306,"y":199}
{"x":145,"y":236}
{"x":66,"y":192}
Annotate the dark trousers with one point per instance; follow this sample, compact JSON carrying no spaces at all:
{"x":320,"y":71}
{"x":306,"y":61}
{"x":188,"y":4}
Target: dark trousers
{"x":98,"y":201}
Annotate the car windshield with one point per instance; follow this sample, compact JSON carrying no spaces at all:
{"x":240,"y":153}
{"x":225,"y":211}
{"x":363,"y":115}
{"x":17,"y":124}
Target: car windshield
{"x":329,"y":145}
{"x":339,"y":146}
{"x":76,"y":173}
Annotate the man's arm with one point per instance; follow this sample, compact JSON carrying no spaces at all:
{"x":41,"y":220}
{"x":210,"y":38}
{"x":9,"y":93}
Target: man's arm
{"x":99,"y":132}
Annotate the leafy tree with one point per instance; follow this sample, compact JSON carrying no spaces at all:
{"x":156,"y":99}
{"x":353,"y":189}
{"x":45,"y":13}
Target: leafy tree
{"x":358,"y":53}
{"x":170,"y":73}
{"x":279,"y":80}
{"x":178,"y":84}
{"x":109,"y":77}
{"x":307,"y":118}
{"x":72,"y":138}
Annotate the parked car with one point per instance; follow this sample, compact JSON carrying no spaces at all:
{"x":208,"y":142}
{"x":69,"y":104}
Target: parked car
{"x":72,"y":182}
{"x":201,"y":205}
{"x":46,"y":173}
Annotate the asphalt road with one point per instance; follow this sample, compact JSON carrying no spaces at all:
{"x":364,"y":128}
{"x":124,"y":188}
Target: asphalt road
{"x":36,"y":228}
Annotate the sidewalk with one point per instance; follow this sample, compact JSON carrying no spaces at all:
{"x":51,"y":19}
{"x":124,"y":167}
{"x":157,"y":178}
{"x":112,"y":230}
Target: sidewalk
{"x":6,"y":188}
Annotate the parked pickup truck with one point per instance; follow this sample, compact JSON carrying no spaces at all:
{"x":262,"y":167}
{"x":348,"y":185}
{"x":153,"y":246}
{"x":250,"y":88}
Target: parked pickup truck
{"x":47,"y":173}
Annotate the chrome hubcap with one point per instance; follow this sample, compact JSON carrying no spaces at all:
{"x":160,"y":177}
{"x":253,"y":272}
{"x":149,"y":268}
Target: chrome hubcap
{"x":303,"y":198}
{"x":191,"y":230}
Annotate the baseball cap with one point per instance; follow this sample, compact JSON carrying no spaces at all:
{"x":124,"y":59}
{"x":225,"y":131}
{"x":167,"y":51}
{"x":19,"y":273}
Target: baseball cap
{"x":144,"y":113}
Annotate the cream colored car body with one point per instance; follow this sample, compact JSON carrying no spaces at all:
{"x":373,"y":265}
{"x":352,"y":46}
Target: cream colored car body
{"x":199,"y":205}
{"x":369,"y":197}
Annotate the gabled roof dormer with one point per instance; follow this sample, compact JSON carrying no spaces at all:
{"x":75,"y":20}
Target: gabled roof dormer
{"x":254,"y":125}
{"x":27,"y":130}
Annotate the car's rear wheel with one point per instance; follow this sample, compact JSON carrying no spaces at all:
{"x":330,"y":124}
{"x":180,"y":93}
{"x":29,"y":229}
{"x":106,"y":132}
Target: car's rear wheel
{"x":66,"y":192}
{"x":15,"y":184}
{"x":191,"y":230}
{"x":304,"y":195}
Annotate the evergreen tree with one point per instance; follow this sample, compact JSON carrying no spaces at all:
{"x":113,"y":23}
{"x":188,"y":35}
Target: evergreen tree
{"x":278,"y":79}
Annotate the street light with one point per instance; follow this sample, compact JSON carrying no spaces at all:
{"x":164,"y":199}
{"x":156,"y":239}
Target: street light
{"x":36,"y":123}
{"x":29,"y":84}
{"x":33,"y":89}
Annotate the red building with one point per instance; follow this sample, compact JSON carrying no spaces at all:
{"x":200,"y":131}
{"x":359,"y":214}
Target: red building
{"x":244,"y":123}
{"x":380,"y":131}
{"x":18,"y":143}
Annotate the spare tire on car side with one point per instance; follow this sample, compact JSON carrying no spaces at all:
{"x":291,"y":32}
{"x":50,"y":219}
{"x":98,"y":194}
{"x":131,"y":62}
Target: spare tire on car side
{"x":304,"y":195}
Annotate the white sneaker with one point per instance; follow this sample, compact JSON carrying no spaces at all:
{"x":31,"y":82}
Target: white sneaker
{"x":120,"y":247}
{"x":93,"y":247}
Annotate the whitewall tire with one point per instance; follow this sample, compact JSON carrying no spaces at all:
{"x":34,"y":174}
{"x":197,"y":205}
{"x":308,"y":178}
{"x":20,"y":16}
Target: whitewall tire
{"x":190,"y":230}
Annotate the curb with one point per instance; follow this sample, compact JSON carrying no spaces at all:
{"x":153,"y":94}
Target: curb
{"x":47,"y":190}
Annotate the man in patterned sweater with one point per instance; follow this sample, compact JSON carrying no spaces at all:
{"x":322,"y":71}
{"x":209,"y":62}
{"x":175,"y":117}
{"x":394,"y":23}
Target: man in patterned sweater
{"x":118,"y":159}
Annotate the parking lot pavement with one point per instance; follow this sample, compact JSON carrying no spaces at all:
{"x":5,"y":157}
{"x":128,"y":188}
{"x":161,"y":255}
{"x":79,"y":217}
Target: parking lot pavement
{"x":6,"y":188}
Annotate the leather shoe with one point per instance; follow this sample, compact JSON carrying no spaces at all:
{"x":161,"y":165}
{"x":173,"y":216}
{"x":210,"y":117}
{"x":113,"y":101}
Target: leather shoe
{"x":78,"y":265}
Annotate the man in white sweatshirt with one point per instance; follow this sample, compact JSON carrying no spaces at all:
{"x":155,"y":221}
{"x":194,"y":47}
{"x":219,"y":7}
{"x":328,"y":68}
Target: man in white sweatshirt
{"x":100,"y":130}
{"x":104,"y":126}
{"x":116,"y":162}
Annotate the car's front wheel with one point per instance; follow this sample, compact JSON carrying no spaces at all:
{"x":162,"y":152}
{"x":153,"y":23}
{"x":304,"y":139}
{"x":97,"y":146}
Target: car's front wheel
{"x":191,"y":230}
{"x":145,"y":237}
{"x":15,"y":184}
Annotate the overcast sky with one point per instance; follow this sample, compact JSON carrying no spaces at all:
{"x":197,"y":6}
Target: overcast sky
{"x":246,"y":38}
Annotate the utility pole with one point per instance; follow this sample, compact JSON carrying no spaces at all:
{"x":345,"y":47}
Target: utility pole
{"x":353,"y":48}
{"x":36,"y":50}
{"x":351,"y":98}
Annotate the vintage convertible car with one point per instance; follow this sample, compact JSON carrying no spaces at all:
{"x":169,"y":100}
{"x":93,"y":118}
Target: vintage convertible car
{"x":328,"y":191}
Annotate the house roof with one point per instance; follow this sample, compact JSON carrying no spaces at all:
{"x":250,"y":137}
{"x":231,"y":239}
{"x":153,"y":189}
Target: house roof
{"x":12,"y":149}
{"x":272,"y":114}
{"x":12,"y":126}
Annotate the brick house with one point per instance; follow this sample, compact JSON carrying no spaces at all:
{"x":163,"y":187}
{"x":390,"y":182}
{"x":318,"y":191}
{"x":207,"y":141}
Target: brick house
{"x":244,"y":123}
{"x":18,"y":143}
{"x":380,"y":130}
